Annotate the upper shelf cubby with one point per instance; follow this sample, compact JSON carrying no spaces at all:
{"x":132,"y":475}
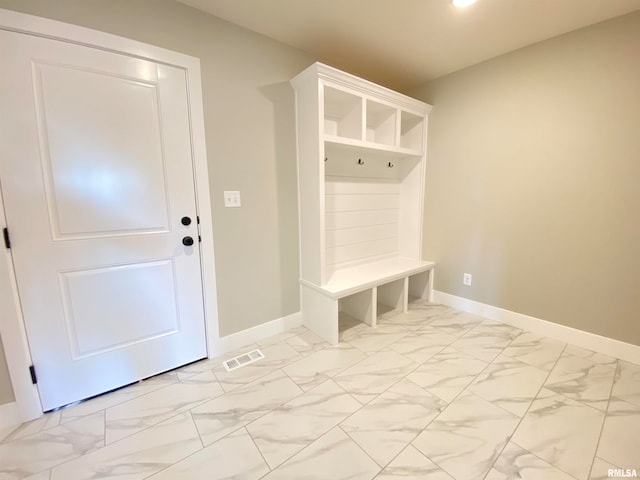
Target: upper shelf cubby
{"x":381,"y":123}
{"x":360,"y":114}
{"x":342,"y":114}
{"x":411,"y":131}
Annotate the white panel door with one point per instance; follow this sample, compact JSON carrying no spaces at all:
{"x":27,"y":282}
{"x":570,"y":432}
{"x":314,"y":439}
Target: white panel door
{"x":96,"y":170}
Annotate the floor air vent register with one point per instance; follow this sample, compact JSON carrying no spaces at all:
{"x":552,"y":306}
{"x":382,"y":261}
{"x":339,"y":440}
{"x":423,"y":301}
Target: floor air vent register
{"x":242,"y":360}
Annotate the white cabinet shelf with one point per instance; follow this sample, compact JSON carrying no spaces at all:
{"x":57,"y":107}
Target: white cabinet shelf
{"x":364,"y":146}
{"x":361,"y":167}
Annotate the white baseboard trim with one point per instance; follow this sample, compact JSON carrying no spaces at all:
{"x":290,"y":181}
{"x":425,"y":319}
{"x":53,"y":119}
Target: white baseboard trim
{"x":9,"y":415}
{"x":255,"y":334}
{"x":590,"y":341}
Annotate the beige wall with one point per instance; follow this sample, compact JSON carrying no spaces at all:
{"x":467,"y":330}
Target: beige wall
{"x":249,"y":116}
{"x":6,"y":392}
{"x":533,"y":181}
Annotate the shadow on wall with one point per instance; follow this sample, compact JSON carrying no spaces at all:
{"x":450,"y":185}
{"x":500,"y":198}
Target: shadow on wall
{"x":282,"y":98}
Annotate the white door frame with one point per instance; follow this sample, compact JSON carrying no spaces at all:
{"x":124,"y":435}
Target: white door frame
{"x":12,"y":327}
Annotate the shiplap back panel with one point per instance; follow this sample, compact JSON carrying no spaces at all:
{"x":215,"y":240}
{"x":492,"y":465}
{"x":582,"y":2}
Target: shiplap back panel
{"x":361,"y":219}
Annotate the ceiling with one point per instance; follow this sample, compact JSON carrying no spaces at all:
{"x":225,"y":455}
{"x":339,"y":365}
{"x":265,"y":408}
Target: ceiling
{"x":402,"y":43}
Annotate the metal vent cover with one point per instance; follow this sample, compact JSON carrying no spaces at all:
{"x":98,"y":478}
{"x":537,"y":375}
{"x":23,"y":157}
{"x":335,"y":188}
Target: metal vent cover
{"x":242,"y":360}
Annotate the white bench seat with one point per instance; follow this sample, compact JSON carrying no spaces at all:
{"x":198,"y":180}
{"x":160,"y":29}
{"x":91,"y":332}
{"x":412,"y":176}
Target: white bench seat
{"x":358,"y":290}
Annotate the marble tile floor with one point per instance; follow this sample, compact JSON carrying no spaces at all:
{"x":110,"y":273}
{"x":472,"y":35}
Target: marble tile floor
{"x":433,"y":394}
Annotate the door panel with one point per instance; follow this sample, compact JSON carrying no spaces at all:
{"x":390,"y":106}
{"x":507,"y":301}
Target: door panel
{"x":95,"y":324}
{"x":96,"y":184}
{"x":96,"y":169}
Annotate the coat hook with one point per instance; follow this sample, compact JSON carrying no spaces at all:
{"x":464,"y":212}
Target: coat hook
{"x":360,"y":161}
{"x":326,"y":158}
{"x":390,"y":165}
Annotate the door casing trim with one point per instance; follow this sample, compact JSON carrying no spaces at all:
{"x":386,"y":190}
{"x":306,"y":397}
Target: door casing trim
{"x":12,"y":329}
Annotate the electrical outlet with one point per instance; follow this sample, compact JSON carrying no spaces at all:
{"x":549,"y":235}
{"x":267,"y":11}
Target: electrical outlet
{"x":466,"y":279}
{"x":232,"y":198}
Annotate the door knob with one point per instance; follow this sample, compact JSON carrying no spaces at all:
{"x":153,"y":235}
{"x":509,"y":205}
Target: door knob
{"x":187,"y":241}
{"x":185,"y":221}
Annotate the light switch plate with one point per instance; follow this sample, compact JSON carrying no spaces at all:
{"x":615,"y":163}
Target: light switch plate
{"x":232,"y":198}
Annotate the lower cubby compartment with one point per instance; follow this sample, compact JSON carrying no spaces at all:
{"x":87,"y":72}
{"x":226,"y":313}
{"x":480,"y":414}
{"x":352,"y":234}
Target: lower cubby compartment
{"x":421,"y":285}
{"x":359,"y":306}
{"x":349,"y":326}
{"x":357,"y":298}
{"x":391,"y":298}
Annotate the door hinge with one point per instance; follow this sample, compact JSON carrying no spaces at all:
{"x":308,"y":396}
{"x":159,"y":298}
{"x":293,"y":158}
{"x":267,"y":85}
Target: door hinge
{"x":7,"y":240}
{"x":199,"y":238}
{"x":198,"y":219}
{"x":32,"y":372}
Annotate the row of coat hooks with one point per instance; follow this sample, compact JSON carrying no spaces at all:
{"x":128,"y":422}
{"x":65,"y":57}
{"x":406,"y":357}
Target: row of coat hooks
{"x":361,"y":162}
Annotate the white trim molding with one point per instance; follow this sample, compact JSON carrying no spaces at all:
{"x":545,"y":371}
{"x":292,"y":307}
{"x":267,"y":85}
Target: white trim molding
{"x":590,"y":341}
{"x":9,"y":415}
{"x":11,"y":322}
{"x":255,"y":334}
{"x":14,"y":338}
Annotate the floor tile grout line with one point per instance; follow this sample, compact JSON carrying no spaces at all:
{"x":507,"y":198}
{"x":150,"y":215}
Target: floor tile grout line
{"x":315,"y":440}
{"x":64,"y":408}
{"x":282,"y":370}
{"x":354,"y":441}
{"x":545,"y":461}
{"x":464,"y":389}
{"x":195,"y":426}
{"x":241,"y":386}
{"x":51,"y":467}
{"x":435,"y":396}
{"x":108,"y":445}
{"x":509,"y":439}
{"x":266,"y":412}
{"x":183,"y":458}
{"x":367,"y":357}
{"x":328,"y":378}
{"x":244,"y":427}
{"x":179,"y":411}
{"x":424,"y":428}
{"x":303,"y":392}
{"x":119,"y":403}
{"x":16,"y":428}
{"x":338,"y":425}
{"x":253,"y":440}
{"x":410,"y":443}
{"x":274,"y":409}
{"x":362,"y":406}
{"x":604,"y":417}
{"x":104,"y":431}
{"x":582,"y":403}
{"x":594,"y":364}
{"x":373,"y":352}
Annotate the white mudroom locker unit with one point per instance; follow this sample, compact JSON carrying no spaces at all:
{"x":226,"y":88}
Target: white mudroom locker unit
{"x":361,"y":169}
